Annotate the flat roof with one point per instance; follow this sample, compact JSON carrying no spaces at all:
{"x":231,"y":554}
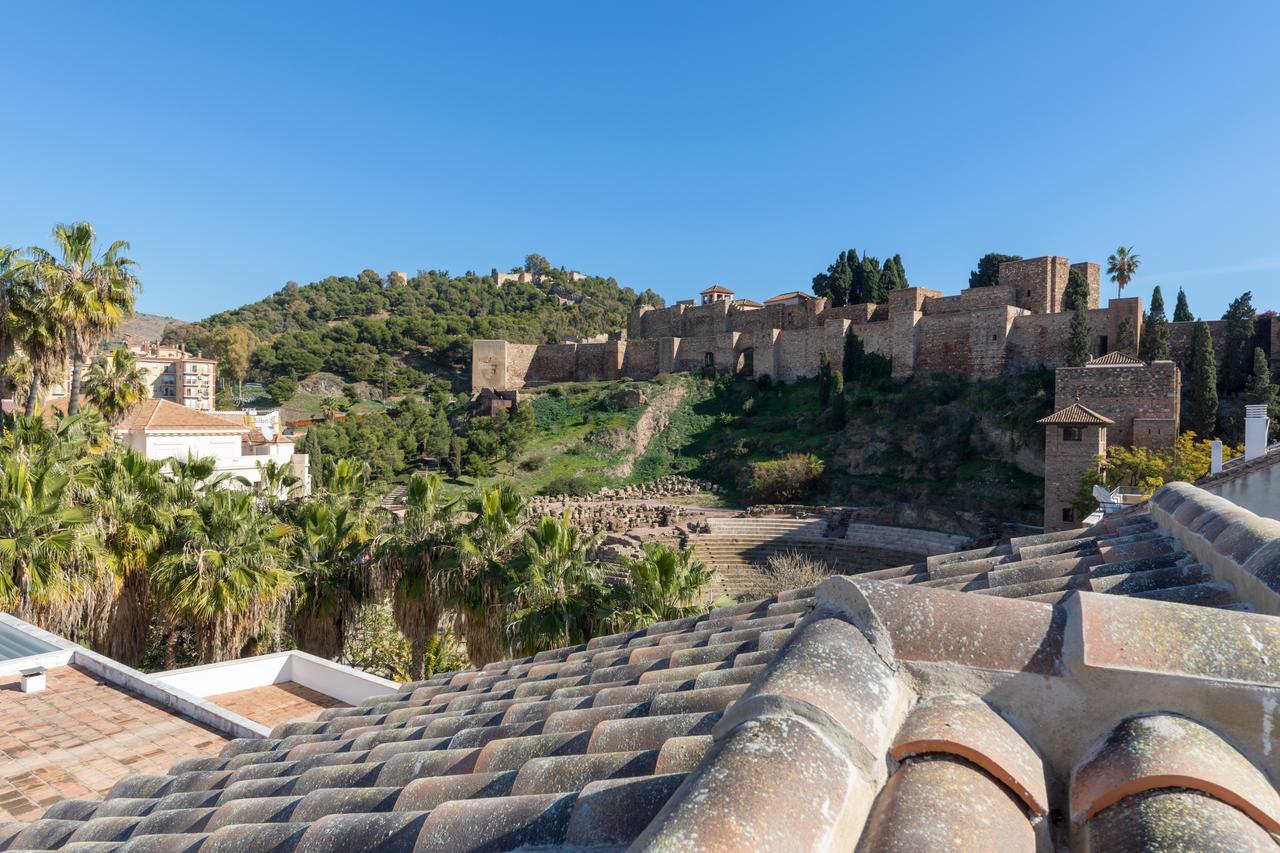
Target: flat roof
{"x":80,"y":735}
{"x":272,"y":704}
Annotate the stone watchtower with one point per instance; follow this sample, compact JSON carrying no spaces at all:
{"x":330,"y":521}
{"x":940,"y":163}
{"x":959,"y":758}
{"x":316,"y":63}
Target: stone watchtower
{"x":1074,"y":438}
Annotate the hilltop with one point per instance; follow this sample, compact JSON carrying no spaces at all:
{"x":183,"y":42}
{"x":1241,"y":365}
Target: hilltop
{"x":401,"y":334}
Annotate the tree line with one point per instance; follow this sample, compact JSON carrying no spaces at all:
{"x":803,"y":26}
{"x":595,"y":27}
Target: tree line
{"x":130,"y":555}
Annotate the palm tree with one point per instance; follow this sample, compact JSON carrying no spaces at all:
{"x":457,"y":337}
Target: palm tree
{"x":116,"y":383}
{"x":665,"y":583}
{"x":9,"y":357}
{"x":33,"y":327}
{"x":276,"y":479}
{"x":194,"y":476}
{"x":329,"y":408}
{"x":330,"y":550}
{"x":224,"y":575}
{"x":416,"y":551}
{"x":134,"y":516}
{"x":42,"y":533}
{"x":559,"y":587}
{"x":479,"y":585}
{"x":92,"y":293}
{"x":1122,"y":266}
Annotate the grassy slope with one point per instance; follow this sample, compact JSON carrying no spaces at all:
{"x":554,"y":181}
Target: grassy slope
{"x":934,"y":438}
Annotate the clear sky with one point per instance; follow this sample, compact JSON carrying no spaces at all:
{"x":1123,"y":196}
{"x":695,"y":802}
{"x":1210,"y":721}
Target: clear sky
{"x":672,"y":145}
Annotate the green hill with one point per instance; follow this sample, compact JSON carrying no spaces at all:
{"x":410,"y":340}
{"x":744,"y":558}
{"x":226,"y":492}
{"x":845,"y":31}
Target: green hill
{"x":411,"y":336}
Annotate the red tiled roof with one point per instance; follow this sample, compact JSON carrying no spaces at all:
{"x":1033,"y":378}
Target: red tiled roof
{"x":161,"y":415}
{"x":716,"y":288}
{"x":793,"y":294}
{"x":1113,"y":359}
{"x":1057,"y":690}
{"x":1076,"y":414}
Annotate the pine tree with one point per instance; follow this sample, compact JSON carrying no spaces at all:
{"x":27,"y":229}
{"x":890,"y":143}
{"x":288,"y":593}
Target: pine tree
{"x":1202,"y":416}
{"x":841,"y":282}
{"x":824,"y":381}
{"x":1077,"y":289}
{"x":1181,"y":311}
{"x":1126,"y":337}
{"x":1155,"y":333}
{"x":1237,"y":346}
{"x":1260,"y":390}
{"x":1078,"y":341}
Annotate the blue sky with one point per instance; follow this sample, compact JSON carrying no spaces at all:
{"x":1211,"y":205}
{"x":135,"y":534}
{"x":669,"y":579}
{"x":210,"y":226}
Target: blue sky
{"x":671,"y":145}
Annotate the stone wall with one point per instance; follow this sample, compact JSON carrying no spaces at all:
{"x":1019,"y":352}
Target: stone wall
{"x":1144,"y":395}
{"x":981,"y":333}
{"x":1064,"y":463}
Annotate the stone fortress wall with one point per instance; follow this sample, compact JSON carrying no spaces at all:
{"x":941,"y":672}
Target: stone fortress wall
{"x":980,"y":333}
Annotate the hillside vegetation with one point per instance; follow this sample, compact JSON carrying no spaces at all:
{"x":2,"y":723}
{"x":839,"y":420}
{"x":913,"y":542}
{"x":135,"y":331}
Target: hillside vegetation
{"x":406,"y":337}
{"x":963,"y":446}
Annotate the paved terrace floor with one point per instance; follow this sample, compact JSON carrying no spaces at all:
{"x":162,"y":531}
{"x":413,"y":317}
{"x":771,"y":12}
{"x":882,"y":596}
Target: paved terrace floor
{"x":81,"y":735}
{"x":276,"y":703}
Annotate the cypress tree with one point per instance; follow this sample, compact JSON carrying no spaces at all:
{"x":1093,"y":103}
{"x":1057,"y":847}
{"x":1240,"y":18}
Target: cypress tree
{"x":455,"y":457}
{"x":1237,"y":346}
{"x":1181,"y":311}
{"x":1126,"y":337}
{"x":1155,"y":334}
{"x":1078,"y":342}
{"x":824,"y":381}
{"x":855,"y":292}
{"x":315,"y":456}
{"x":852,"y":355}
{"x":869,"y":280}
{"x":1077,"y":289}
{"x":901,"y":271}
{"x":839,"y":406}
{"x":1202,"y":416}
{"x":1260,"y":390}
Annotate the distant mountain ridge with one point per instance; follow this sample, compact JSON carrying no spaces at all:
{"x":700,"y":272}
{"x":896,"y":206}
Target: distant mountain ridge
{"x":148,"y":327}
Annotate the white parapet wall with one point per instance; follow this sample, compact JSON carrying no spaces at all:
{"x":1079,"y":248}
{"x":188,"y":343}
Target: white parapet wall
{"x":343,"y":683}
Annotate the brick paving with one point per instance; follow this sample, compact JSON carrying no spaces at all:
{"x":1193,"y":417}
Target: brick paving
{"x":276,"y":703}
{"x":80,"y":735}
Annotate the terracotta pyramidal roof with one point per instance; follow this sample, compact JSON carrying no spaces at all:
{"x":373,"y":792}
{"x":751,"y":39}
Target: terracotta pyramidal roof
{"x":1113,"y":359}
{"x":792,"y":294}
{"x":716,"y":288}
{"x":1090,"y":689}
{"x":161,"y":415}
{"x":1076,"y":414}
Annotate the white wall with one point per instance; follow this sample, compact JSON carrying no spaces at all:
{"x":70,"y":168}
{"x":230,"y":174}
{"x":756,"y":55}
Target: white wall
{"x":179,"y":446}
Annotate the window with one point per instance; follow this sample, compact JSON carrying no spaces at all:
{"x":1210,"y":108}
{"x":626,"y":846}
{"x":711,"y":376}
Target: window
{"x":994,"y":336}
{"x":1072,"y":434}
{"x":1068,"y":514}
{"x":709,"y":359}
{"x":1028,"y":291}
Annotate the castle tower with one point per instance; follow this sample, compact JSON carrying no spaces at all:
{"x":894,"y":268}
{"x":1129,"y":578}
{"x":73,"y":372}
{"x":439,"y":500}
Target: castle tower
{"x":1074,"y":438}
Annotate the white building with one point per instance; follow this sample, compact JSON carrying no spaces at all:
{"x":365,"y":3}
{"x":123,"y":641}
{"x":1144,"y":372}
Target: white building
{"x":162,"y":430}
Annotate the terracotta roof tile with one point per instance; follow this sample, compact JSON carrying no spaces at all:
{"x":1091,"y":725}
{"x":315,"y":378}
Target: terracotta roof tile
{"x":1176,"y":819}
{"x":966,"y":726}
{"x":1113,"y":359}
{"x":1168,"y":751}
{"x":1076,"y":414}
{"x":910,"y":815}
{"x":159,"y":415}
{"x":878,"y":714}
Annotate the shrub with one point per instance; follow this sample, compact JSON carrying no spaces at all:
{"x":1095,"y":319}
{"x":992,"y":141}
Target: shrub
{"x":789,"y":570}
{"x":577,"y":484}
{"x":282,"y":390}
{"x":786,"y":480}
{"x":764,"y":384}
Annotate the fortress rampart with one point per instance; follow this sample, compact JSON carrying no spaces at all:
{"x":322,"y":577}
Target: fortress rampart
{"x":981,"y":333}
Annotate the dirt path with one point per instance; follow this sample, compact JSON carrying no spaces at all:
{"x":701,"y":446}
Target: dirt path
{"x":651,"y":423}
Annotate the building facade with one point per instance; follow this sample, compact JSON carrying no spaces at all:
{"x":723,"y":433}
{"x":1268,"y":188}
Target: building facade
{"x":175,"y":375}
{"x":235,"y":441}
